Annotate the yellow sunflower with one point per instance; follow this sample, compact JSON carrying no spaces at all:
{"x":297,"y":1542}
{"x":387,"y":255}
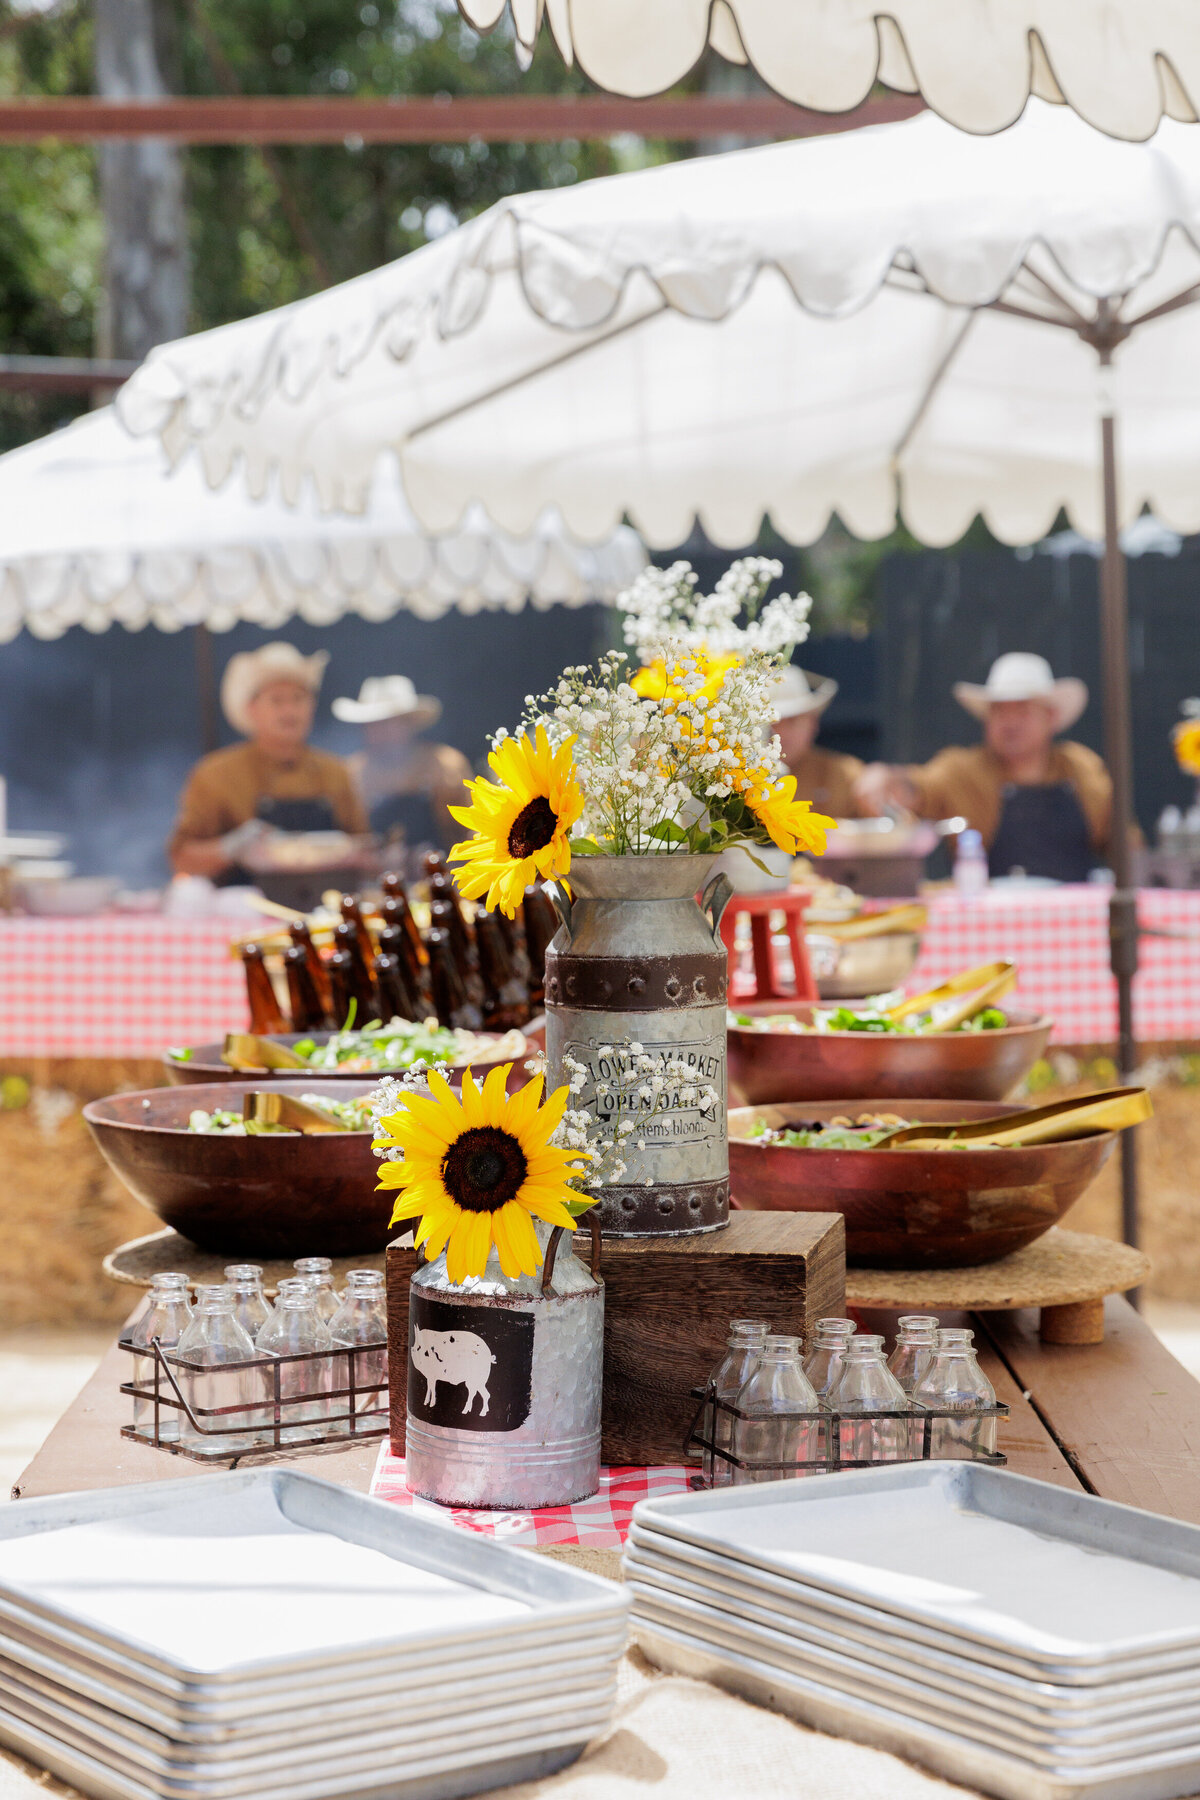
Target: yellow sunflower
{"x":522,"y":826}
{"x":790,"y":823}
{"x":1186,"y":738}
{"x":651,"y":682}
{"x":478,"y":1173}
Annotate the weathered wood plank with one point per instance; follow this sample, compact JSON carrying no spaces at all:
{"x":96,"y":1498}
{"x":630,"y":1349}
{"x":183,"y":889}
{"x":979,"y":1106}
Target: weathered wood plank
{"x":1125,"y":1412}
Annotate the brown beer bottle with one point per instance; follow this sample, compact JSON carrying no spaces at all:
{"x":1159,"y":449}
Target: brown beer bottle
{"x":308,"y":1012}
{"x":504,"y":995}
{"x":391,"y":884}
{"x":396,"y":998}
{"x":442,"y":887}
{"x":541,"y":923}
{"x":343,"y":995}
{"x":345,"y":938}
{"x":352,"y":915}
{"x":302,"y":936}
{"x":395,"y":941}
{"x":451,"y":1002}
{"x":513,"y":932}
{"x":445,"y":918}
{"x":396,"y":911}
{"x":266,"y":1014}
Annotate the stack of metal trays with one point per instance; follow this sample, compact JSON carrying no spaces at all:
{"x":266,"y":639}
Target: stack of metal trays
{"x":267,"y":1634}
{"x":1025,"y":1639}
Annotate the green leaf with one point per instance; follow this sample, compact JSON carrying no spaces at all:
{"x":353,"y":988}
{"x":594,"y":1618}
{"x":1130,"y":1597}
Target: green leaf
{"x":667,"y":832}
{"x":756,"y":860}
{"x":351,"y":1011}
{"x":585,"y":847}
{"x":179,"y":1053}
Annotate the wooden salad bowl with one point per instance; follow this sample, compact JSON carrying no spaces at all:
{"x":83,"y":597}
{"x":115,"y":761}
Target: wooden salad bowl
{"x":770,"y":1067}
{"x":268,"y":1196}
{"x":914,"y":1209}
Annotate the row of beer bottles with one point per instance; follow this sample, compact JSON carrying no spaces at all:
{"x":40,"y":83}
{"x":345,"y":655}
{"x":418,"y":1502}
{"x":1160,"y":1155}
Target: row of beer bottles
{"x":488,"y":974}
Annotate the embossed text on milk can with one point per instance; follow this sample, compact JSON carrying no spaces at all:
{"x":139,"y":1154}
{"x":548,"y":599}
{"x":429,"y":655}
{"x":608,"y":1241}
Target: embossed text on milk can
{"x":637,"y":961}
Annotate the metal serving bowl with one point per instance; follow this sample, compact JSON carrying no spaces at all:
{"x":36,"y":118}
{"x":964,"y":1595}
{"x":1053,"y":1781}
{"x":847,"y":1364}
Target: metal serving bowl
{"x":861,"y":966}
{"x":204,"y":1061}
{"x":268,"y":1196}
{"x":767,"y":1067}
{"x":914,"y":1209}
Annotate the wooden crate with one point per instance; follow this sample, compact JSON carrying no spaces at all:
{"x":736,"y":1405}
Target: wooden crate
{"x":667,"y":1307}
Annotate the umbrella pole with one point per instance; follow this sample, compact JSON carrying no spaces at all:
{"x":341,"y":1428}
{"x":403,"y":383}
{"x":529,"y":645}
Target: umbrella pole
{"x":206,"y":689}
{"x":1118,"y":744}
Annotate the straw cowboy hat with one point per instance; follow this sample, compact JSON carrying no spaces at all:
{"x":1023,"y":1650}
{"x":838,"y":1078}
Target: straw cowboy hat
{"x":387,"y":697}
{"x":252,"y":670}
{"x":1021,"y":676}
{"x":797,"y":691}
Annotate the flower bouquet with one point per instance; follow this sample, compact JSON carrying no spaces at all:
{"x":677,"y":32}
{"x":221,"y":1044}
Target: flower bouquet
{"x":620,"y":789}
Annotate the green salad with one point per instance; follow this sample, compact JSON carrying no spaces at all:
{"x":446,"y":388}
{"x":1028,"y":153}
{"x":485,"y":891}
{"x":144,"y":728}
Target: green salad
{"x":354,"y":1114}
{"x":862,"y":1133}
{"x":847,"y":1018}
{"x":392,"y":1048}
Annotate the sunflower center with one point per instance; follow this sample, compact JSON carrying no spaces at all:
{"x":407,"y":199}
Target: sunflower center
{"x":483,"y":1169}
{"x":533,"y":828}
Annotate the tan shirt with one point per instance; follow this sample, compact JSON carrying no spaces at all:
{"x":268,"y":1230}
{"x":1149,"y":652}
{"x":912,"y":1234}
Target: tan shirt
{"x":827,"y":778}
{"x":971,"y":781}
{"x":224,"y":790}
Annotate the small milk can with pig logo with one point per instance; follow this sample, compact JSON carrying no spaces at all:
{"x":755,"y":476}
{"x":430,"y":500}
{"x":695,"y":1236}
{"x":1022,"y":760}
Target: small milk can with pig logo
{"x":504,"y":1380}
{"x":638,"y":962}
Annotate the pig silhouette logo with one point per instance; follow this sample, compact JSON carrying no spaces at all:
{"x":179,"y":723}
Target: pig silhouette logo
{"x":459,"y":1358}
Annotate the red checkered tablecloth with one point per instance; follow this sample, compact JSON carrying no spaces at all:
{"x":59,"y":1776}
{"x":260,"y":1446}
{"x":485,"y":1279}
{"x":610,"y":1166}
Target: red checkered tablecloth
{"x":1059,"y":939}
{"x":117,"y":986}
{"x":601,"y":1523}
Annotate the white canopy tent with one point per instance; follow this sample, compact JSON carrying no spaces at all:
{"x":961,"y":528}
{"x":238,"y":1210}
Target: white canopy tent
{"x":95,"y":531}
{"x":902,"y":321}
{"x":1121,"y":64}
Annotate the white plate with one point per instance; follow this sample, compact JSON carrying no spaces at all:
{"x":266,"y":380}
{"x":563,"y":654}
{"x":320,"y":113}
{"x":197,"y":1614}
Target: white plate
{"x":718,"y":1581}
{"x":892,"y":1689}
{"x":974,"y":1765}
{"x":1057,"y":1577}
{"x":312,"y":1575}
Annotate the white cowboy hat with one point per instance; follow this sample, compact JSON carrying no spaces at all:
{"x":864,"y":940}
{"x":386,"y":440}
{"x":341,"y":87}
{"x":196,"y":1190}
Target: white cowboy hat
{"x":251,"y":670}
{"x":1021,"y":676}
{"x":387,"y":697}
{"x":796,"y":692}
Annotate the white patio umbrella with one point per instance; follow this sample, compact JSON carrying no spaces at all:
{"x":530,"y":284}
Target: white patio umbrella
{"x":897,"y":321}
{"x":1121,"y":64}
{"x":95,"y":531}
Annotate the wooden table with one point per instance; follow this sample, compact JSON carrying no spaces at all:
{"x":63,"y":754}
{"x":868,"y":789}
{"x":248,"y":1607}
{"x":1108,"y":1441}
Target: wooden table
{"x":1120,"y":1419}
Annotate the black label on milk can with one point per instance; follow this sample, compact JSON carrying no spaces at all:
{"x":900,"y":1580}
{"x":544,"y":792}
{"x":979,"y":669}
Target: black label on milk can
{"x":469,"y":1367}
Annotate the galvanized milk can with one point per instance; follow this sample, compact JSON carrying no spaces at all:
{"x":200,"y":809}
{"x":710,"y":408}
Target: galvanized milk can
{"x":637,"y":961}
{"x":504,"y":1381}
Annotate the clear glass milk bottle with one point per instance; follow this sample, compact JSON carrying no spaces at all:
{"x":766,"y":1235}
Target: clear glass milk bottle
{"x":916,"y":1341}
{"x":251,"y":1308}
{"x":318,"y":1271}
{"x":742,"y":1351}
{"x":295,"y":1327}
{"x":954,"y":1382}
{"x":165,"y":1316}
{"x":766,"y":1434}
{"x":823,"y":1364}
{"x":362,"y":1319}
{"x":867,"y":1386}
{"x":213,"y":1340}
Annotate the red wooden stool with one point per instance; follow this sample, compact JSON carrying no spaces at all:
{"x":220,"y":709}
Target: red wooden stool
{"x":792,"y":905}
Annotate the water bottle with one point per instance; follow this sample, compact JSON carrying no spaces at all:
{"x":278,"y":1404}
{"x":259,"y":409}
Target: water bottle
{"x":970,"y":864}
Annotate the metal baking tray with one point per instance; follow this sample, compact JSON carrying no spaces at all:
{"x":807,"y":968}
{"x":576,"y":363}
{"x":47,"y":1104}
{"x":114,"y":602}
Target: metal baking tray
{"x":933,"y":1686}
{"x":372,"y":1752}
{"x":465,"y":1771}
{"x":974,"y":1765}
{"x":1064,"y":1580}
{"x":721,"y":1581}
{"x":567,"y":1666}
{"x":223,"y":1704}
{"x":887,"y":1686}
{"x":313,"y":1575}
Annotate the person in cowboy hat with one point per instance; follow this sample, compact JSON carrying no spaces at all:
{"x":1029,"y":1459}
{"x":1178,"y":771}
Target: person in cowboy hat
{"x":270,"y":696}
{"x":1042,"y":806}
{"x":825,"y":777}
{"x":407,"y":781}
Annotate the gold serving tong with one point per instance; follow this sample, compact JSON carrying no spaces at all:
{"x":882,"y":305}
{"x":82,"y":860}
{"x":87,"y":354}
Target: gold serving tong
{"x":984,"y":985}
{"x":869,"y":925}
{"x":1115,"y":1110}
{"x":291,"y":1113}
{"x":245,"y":1051}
